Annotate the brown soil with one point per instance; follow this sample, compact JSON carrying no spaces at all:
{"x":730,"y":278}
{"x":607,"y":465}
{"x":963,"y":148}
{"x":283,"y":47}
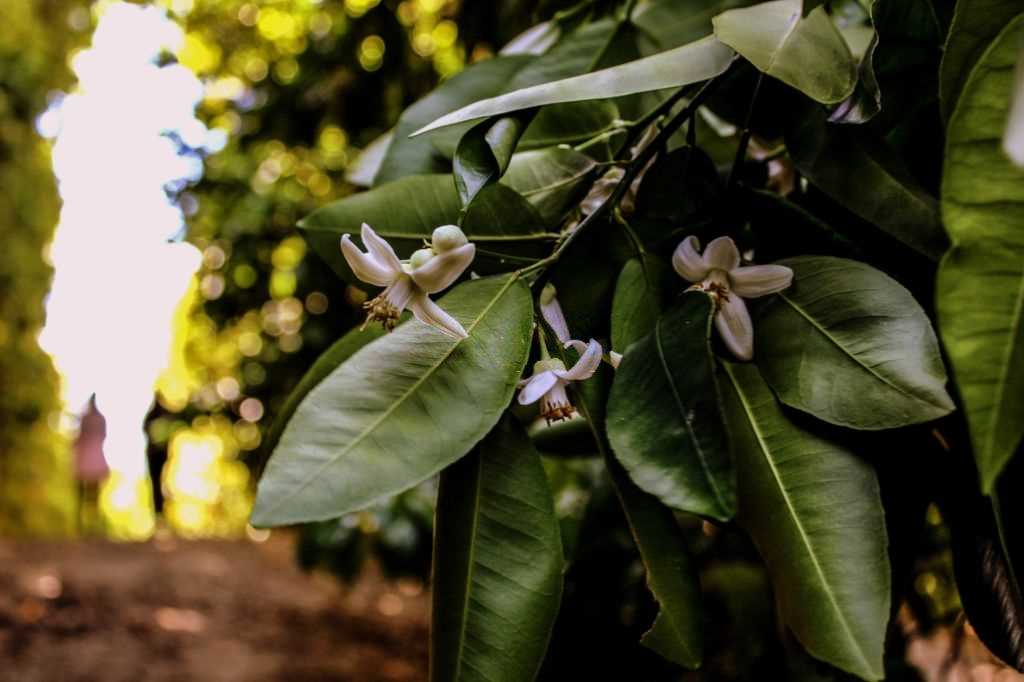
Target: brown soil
{"x":204,"y":611}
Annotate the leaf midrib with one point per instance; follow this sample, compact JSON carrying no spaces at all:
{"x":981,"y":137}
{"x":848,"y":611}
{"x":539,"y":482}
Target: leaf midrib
{"x":689,"y":429}
{"x":824,"y":332}
{"x":748,"y":410}
{"x":472,"y":566}
{"x":782,"y":43}
{"x":1004,"y":367}
{"x":394,"y":406}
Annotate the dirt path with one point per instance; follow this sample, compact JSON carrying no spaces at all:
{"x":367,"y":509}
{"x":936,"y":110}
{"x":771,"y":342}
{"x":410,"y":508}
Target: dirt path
{"x":203,"y":611}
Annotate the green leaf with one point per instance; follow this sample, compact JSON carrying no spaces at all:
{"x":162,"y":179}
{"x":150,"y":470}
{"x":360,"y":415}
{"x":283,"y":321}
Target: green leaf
{"x":552,"y":180}
{"x":976,"y":23}
{"x":866,"y":100}
{"x":340,"y":351}
{"x":484,"y":153}
{"x":809,"y":54}
{"x":410,"y":157}
{"x":868,"y":178}
{"x":980,"y":288}
{"x":810,"y":5}
{"x":640,"y":295}
{"x":502,"y":224}
{"x":851,"y":346}
{"x":400,"y":409}
{"x":664,"y":422}
{"x":362,"y":171}
{"x":665,"y":24}
{"x":497,"y":578}
{"x":677,"y":632}
{"x":815,"y":513}
{"x":688,"y":64}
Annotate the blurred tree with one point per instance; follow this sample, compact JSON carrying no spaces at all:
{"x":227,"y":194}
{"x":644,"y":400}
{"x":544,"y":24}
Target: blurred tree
{"x":36,"y":484}
{"x":296,"y":88}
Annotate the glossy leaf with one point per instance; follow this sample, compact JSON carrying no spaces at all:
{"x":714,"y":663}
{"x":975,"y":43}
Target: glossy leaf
{"x":684,"y":65}
{"x":868,"y":178}
{"x":851,"y":346}
{"x":664,"y":422}
{"x":1013,"y":138}
{"x":405,"y":212}
{"x":640,"y":296}
{"x":975,"y":25}
{"x":340,"y":351}
{"x":980,"y":287}
{"x":677,"y":631}
{"x":416,"y":156}
{"x":552,"y":179}
{"x":665,"y":24}
{"x":815,"y":513}
{"x":808,"y":53}
{"x":484,"y":153}
{"x":400,"y":409}
{"x":497,"y":578}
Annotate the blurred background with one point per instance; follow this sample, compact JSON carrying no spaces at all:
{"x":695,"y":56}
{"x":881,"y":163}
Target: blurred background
{"x":157,"y":305}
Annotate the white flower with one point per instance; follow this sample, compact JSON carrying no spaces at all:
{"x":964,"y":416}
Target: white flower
{"x":550,"y":377}
{"x":428,"y":271}
{"x":551,"y":310}
{"x":718,"y":272}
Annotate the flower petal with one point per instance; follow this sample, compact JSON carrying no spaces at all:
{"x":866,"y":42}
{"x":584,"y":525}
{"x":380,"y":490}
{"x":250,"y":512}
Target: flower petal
{"x":585,"y":366}
{"x":578,"y":346}
{"x":428,"y":312}
{"x":364,"y":265}
{"x":380,"y":249}
{"x":439,"y":272}
{"x":722,"y":254}
{"x":536,"y":386}
{"x":553,"y":315}
{"x":760,"y":280}
{"x":733,"y":323}
{"x":614,"y":358}
{"x":687,"y":261}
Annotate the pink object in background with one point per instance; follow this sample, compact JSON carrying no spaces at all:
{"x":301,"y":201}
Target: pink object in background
{"x":90,"y":464}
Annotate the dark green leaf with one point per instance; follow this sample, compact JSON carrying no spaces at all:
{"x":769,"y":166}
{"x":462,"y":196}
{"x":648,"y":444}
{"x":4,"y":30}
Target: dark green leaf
{"x":811,"y":5}
{"x":980,"y":287}
{"x":664,"y":422}
{"x":775,"y":39}
{"x":976,"y":23}
{"x":866,"y":100}
{"x":866,"y":177}
{"x":688,"y":64}
{"x":484,"y":153}
{"x":409,"y":157}
{"x":815,"y":513}
{"x":405,"y":212}
{"x":677,"y":632}
{"x":851,"y":346}
{"x":552,"y":180}
{"x":400,"y":409}
{"x":497,"y":578}
{"x":665,"y":24}
{"x":640,"y":296}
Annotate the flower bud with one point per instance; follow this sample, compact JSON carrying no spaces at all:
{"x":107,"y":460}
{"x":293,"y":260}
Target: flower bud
{"x":448,"y":237}
{"x":420,"y":257}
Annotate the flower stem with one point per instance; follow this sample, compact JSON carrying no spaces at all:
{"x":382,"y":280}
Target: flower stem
{"x":741,"y":150}
{"x":636,"y":165}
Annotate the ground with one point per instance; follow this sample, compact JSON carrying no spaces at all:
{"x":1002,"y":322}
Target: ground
{"x":210,"y":611}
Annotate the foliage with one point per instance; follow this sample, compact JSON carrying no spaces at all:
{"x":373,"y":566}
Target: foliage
{"x":35,"y":470}
{"x":614,"y":184}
